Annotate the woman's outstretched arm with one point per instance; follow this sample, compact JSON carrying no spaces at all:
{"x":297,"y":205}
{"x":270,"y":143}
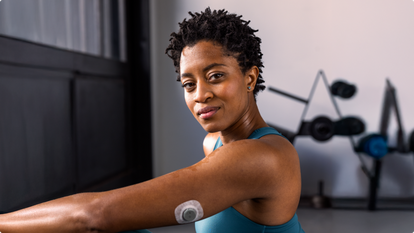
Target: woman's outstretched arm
{"x":239,"y":171}
{"x":76,"y":213}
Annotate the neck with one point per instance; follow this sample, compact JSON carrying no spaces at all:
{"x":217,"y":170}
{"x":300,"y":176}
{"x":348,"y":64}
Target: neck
{"x":248,"y":122}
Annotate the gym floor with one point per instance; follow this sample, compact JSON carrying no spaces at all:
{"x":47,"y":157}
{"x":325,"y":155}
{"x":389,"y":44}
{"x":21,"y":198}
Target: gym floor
{"x":337,"y":221}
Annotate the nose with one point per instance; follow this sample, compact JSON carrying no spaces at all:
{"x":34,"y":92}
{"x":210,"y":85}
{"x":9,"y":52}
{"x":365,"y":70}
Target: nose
{"x":203,"y":93}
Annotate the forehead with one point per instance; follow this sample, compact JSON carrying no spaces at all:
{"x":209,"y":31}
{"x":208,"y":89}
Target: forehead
{"x":203,"y":48}
{"x":202,"y":54}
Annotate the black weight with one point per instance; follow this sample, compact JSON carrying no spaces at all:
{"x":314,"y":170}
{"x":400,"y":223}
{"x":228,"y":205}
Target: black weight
{"x":349,"y":126}
{"x":322,"y":128}
{"x":411,"y":141}
{"x":343,"y":89}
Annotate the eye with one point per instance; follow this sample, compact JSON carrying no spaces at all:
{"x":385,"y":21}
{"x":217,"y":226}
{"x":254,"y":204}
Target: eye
{"x":188,"y":85}
{"x":216,"y":76}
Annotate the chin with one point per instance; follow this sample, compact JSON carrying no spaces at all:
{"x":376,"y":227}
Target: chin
{"x":210,"y":128}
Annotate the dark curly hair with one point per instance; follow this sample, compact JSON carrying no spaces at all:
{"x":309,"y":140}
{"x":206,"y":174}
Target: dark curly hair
{"x":229,"y":30}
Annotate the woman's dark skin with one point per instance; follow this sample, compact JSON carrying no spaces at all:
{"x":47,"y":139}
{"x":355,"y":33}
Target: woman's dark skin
{"x":259,"y":178}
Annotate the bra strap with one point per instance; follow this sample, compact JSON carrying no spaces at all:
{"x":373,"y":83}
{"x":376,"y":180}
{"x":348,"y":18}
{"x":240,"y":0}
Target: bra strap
{"x":258,"y":133}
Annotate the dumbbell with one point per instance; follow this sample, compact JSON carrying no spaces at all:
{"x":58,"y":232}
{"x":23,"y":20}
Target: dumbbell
{"x":374,"y":145}
{"x":322,"y":128}
{"x":343,"y":89}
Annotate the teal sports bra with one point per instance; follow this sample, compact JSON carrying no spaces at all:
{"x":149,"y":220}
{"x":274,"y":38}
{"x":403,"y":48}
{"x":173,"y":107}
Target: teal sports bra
{"x":231,"y":221}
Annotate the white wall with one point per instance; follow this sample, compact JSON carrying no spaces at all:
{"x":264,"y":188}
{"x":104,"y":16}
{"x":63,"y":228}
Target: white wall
{"x":362,"y":41}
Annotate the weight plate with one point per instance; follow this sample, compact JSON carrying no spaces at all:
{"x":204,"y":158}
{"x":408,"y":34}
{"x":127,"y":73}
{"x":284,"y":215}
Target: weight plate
{"x":322,"y":128}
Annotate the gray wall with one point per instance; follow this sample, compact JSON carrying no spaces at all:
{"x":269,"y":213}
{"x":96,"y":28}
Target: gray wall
{"x":177,"y":136}
{"x":360,"y":41}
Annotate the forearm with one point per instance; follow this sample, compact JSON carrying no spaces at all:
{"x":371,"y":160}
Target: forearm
{"x":69,"y":214}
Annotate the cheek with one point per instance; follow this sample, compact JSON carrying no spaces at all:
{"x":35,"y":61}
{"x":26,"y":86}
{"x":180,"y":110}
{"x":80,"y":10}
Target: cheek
{"x":236,"y":96}
{"x":234,"y":92}
{"x":188,"y":102}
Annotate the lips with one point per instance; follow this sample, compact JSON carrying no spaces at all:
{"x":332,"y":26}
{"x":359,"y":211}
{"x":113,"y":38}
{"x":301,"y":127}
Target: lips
{"x":207,"y":112}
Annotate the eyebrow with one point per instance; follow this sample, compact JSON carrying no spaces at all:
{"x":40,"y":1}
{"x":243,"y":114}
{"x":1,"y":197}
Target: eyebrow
{"x":205,"y":69}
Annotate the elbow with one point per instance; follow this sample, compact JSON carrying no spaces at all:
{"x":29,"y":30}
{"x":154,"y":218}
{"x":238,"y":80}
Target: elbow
{"x":89,"y":217}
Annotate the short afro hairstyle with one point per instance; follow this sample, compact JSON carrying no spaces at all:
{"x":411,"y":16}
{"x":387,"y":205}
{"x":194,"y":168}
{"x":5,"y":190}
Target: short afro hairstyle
{"x":234,"y":34}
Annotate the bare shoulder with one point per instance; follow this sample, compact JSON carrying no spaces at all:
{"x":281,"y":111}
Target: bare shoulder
{"x":279,"y":147}
{"x":209,"y":142}
{"x":273,"y":146}
{"x":269,"y":168}
{"x":283,"y":153}
{"x":271,"y":152}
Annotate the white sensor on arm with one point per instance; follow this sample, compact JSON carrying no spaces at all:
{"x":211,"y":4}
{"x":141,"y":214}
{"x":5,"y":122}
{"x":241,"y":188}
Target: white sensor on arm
{"x":189,"y":211}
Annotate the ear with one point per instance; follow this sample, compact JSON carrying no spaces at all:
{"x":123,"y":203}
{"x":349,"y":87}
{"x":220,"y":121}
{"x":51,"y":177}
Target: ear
{"x":251,"y":77}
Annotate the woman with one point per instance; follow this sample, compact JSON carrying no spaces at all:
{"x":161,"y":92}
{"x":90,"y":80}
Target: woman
{"x":249,"y":180}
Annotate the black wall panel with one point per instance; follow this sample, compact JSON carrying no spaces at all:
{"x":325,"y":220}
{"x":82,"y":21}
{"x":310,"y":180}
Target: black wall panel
{"x":36,"y":159}
{"x":100,"y":120}
{"x":71,"y":122}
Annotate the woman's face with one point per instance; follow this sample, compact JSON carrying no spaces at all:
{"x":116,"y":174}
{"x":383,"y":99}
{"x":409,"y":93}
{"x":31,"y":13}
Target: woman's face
{"x":216,"y":90}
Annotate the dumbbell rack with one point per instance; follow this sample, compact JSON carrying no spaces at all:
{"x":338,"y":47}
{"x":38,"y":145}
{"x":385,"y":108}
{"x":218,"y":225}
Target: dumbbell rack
{"x":390,"y":102}
{"x":291,"y":135}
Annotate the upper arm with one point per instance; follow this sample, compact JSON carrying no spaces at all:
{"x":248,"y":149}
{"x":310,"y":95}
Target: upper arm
{"x":228,"y":176}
